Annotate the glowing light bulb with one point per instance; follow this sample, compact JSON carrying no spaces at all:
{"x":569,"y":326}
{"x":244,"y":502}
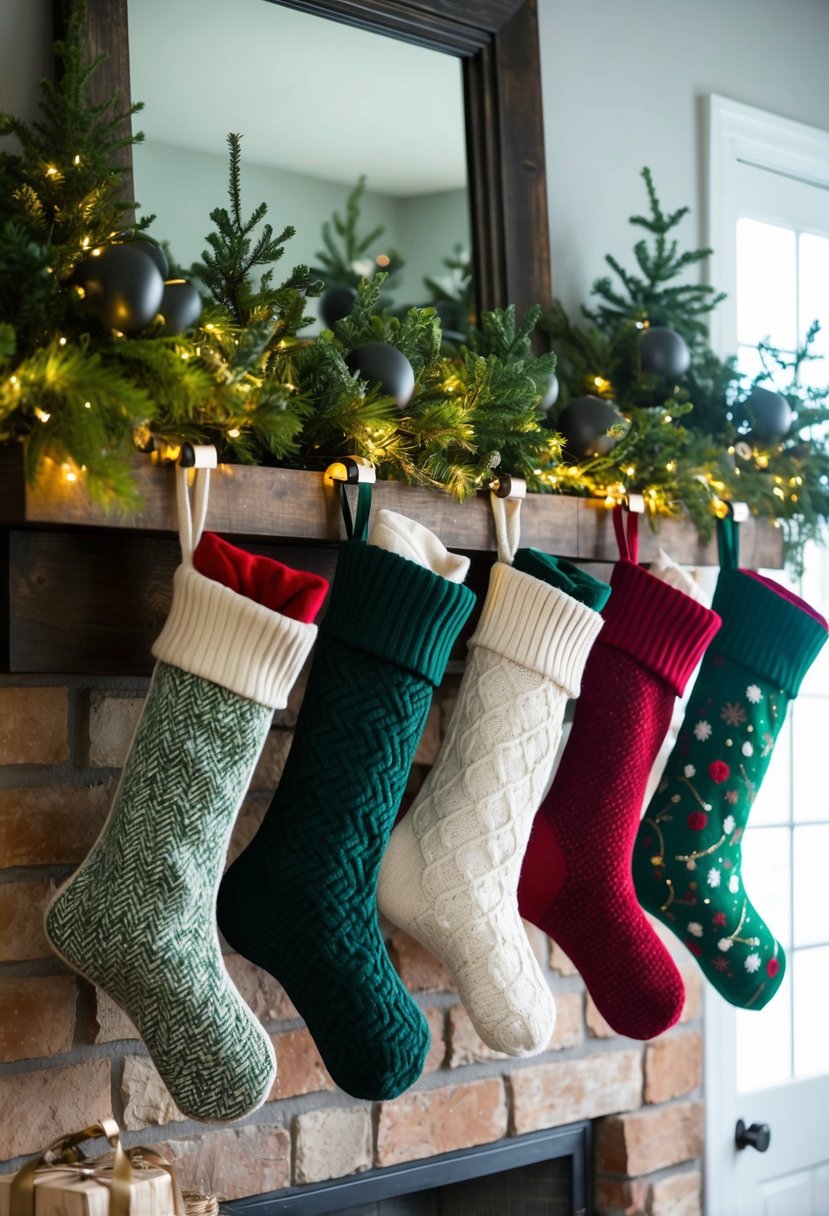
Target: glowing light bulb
{"x":41,"y":415}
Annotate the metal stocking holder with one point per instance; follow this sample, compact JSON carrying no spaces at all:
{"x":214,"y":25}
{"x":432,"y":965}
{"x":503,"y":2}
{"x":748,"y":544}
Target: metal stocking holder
{"x":350,"y":471}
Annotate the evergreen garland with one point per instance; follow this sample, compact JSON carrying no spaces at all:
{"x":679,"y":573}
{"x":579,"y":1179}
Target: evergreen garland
{"x":688,"y":448}
{"x":245,"y":379}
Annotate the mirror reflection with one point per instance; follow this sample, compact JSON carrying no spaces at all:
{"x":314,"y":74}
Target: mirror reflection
{"x":319,"y":105}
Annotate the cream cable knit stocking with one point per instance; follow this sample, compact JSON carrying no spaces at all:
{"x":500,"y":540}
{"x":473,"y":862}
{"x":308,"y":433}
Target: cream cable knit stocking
{"x":450,"y":874}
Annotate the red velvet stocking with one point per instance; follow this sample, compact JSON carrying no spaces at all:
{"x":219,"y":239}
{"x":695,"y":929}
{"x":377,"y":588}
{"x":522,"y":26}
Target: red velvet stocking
{"x":295,"y":593}
{"x":576,"y":880}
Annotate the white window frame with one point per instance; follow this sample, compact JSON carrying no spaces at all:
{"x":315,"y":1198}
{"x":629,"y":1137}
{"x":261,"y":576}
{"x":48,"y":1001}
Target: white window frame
{"x":739,"y":134}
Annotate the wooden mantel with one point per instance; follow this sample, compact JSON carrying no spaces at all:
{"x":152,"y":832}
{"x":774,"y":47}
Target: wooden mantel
{"x":85,"y":591}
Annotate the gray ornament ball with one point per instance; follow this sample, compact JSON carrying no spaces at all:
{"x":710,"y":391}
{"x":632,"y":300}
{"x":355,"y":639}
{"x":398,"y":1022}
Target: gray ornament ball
{"x":156,"y":253}
{"x":664,"y":352}
{"x":584,"y":424}
{"x":386,"y":367}
{"x":180,"y":306}
{"x":122,"y":287}
{"x":549,"y":393}
{"x":336,"y":303}
{"x":768,"y":413}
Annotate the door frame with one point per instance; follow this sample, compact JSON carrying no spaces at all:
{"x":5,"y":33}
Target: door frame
{"x":735,"y":134}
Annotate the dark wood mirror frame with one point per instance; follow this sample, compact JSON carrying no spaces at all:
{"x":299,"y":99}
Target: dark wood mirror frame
{"x":497,"y":41}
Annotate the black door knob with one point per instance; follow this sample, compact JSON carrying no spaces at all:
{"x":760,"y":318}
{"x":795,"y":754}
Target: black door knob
{"x":757,"y":1136}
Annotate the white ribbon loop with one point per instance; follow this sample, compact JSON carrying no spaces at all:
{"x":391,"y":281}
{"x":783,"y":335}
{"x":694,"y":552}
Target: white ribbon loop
{"x":191,"y":521}
{"x":506,"y":513}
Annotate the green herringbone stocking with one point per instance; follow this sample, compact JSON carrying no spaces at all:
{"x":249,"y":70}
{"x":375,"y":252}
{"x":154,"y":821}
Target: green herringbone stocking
{"x":301,"y":899}
{"x":137,"y":918}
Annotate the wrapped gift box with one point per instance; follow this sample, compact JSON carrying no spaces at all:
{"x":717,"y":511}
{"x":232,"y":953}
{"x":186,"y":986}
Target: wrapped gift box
{"x":84,"y":1190}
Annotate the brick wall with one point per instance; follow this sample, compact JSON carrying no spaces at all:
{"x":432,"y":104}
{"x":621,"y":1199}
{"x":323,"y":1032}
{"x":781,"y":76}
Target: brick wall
{"x":68,"y":1055}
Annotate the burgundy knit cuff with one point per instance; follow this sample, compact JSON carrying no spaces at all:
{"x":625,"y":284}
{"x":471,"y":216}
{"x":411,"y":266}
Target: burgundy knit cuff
{"x":658,"y":625}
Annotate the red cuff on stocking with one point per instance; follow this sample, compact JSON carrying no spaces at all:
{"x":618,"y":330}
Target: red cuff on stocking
{"x":295,"y":593}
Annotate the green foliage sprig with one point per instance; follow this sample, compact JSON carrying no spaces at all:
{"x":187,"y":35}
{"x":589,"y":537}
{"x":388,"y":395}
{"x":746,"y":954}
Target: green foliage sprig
{"x":247,"y":380}
{"x":349,"y":256}
{"x":689,"y":447}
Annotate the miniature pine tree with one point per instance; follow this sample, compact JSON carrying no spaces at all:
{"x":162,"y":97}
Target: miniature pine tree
{"x":350,"y":256}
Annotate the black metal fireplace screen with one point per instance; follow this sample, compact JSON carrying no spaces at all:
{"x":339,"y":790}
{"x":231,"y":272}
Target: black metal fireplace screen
{"x":544,"y":1173}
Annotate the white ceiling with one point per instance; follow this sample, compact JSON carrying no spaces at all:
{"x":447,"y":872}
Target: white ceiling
{"x":308,"y":95}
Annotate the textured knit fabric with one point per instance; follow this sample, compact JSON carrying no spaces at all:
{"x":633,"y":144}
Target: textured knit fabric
{"x":576,"y":881}
{"x":225,"y":637}
{"x":137,"y":918}
{"x":450,"y":874}
{"x":301,"y":899}
{"x":687,"y":858}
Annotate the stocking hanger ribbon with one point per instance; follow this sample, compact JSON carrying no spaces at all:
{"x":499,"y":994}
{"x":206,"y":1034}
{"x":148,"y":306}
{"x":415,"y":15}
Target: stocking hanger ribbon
{"x":353,"y":470}
{"x":506,"y":495}
{"x":201,"y":457}
{"x":627,"y":530}
{"x":728,"y":535}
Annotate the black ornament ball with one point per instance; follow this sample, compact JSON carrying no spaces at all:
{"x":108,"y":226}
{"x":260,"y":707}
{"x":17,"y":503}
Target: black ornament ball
{"x":386,"y":367}
{"x":336,"y":303}
{"x":180,"y":306}
{"x":769,"y":414}
{"x":549,"y":393}
{"x":122,"y":287}
{"x":156,"y":253}
{"x":664,"y":352}
{"x":584,"y":424}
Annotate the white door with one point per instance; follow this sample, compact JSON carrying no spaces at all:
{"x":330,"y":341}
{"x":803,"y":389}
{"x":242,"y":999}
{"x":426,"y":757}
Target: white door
{"x":769,"y":217}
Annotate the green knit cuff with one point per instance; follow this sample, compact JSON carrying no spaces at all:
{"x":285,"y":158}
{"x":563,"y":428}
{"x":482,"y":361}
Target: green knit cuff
{"x":770,"y":633}
{"x":557,"y":572}
{"x":395,"y":610}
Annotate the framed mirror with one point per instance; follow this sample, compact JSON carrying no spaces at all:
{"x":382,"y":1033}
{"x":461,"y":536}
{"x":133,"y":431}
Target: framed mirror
{"x":496,"y":42}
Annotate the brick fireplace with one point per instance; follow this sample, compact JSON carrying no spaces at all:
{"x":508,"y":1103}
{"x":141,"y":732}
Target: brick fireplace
{"x":68,"y":1055}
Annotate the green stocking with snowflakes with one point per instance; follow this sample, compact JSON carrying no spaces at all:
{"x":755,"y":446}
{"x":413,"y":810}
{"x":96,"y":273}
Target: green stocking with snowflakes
{"x":687,"y":860}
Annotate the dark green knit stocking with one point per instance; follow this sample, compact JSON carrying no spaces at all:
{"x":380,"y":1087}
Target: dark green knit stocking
{"x":301,"y":900}
{"x":687,"y":857}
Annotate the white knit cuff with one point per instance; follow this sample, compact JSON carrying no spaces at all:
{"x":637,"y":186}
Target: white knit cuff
{"x":667,"y":570}
{"x":225,"y":637}
{"x":407,"y":538}
{"x":537,"y":626}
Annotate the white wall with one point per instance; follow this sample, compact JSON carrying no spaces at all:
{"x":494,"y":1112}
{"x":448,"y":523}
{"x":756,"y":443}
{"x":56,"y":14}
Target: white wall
{"x":25,"y":55}
{"x":622,"y":86}
{"x":622,"y":82}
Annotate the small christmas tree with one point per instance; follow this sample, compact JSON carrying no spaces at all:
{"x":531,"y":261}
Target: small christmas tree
{"x":692,"y":444}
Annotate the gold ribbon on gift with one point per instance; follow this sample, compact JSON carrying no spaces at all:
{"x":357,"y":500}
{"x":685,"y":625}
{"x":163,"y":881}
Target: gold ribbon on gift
{"x":64,"y":1157}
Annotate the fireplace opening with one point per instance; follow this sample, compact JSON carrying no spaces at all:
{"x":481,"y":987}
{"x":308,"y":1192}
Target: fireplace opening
{"x":544,"y":1173}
